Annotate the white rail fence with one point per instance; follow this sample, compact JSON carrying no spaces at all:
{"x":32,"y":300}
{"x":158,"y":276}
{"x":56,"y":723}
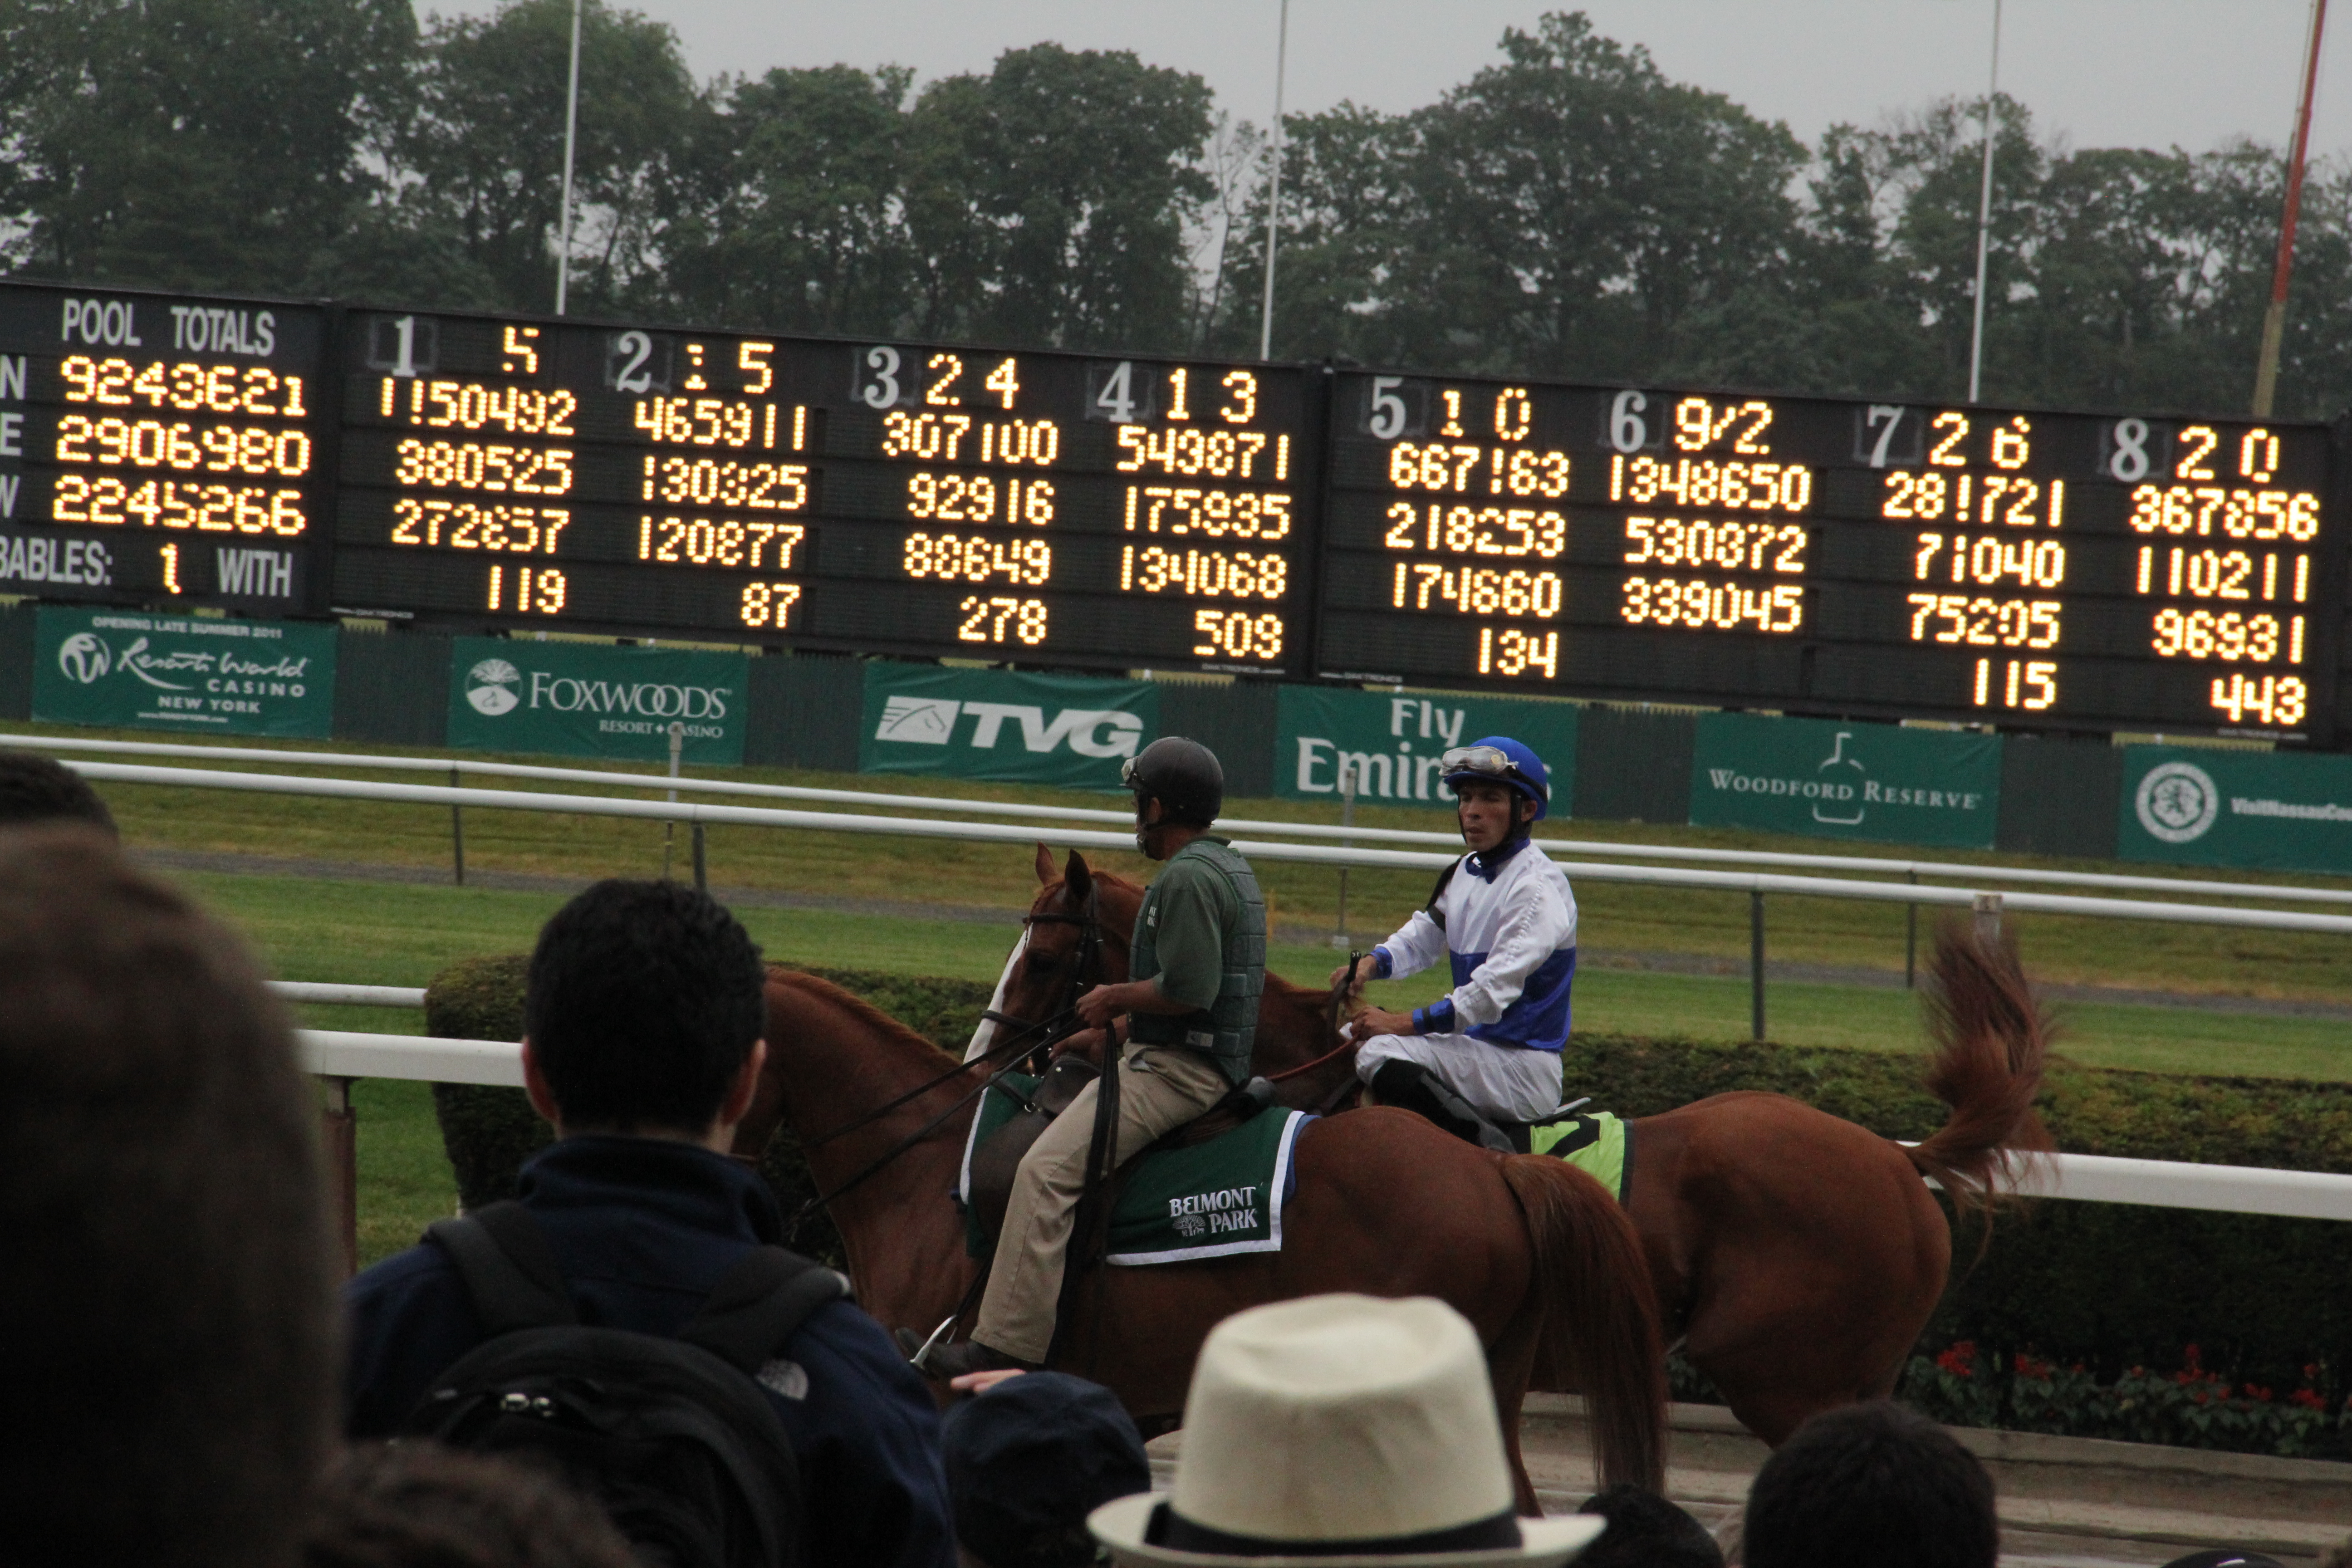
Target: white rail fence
{"x":2086,"y":1178}
{"x":455,"y":767}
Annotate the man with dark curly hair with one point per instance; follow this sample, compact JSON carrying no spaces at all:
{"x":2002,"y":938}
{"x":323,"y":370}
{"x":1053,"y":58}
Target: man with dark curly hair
{"x":419,"y":1505}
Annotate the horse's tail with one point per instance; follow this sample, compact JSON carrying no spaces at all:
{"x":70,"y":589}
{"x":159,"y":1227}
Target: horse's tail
{"x":1601,"y":1312}
{"x":1991,"y":1039}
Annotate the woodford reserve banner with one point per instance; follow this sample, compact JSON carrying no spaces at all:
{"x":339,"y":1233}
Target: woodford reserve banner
{"x":214,"y":676}
{"x":592,"y":700}
{"x":2279,"y":811}
{"x":1829,"y":780}
{"x":1392,"y":743}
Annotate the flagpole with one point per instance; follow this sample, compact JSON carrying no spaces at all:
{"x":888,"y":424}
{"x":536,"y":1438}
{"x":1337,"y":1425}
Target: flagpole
{"x":1274,"y":199}
{"x":1984,"y":215}
{"x":2274,"y":318}
{"x":570,"y":147}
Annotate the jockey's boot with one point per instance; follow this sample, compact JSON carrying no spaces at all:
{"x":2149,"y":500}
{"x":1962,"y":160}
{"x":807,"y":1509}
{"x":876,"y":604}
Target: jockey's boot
{"x":943,"y":1364}
{"x":1413,"y":1086}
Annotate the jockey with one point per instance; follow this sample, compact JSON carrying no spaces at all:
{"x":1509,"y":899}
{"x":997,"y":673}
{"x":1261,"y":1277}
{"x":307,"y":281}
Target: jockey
{"x":1502,"y":915}
{"x":1198,"y":959}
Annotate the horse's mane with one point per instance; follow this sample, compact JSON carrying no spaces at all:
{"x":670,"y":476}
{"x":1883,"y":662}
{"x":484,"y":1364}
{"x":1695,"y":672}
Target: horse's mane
{"x":856,"y":1006}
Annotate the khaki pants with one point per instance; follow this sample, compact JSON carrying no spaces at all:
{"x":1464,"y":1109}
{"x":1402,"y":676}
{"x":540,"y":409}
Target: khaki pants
{"x":1159,"y":1087}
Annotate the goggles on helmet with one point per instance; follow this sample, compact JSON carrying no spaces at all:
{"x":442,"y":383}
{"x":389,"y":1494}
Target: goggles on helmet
{"x":1492,"y":761}
{"x":1128,"y":775}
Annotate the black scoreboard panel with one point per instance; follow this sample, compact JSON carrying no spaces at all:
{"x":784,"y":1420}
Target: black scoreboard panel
{"x":2016,"y":567}
{"x":163,"y":449}
{"x":1050,"y":509}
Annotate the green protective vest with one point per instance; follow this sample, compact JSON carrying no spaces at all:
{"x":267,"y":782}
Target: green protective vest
{"x":1227,"y":1029}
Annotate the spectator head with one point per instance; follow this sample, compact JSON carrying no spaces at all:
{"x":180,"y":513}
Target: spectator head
{"x":1346,"y":1431}
{"x":643,"y":1005}
{"x":168,"y":1300}
{"x":1871,"y":1484}
{"x":1029,"y":1460}
{"x":419,"y":1505}
{"x":1645,"y":1530}
{"x":42,"y":789}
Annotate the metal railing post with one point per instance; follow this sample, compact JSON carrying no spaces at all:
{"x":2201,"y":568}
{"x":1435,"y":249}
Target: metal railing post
{"x":701,"y":872}
{"x":1911,"y":938}
{"x":457,"y":832}
{"x":669,"y":825}
{"x":1348,"y":779}
{"x":1988,"y":918}
{"x":339,"y":1139}
{"x":1756,"y":964}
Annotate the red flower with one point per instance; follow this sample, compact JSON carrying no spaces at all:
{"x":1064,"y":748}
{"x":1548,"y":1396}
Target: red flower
{"x":2189,"y":1357}
{"x":1959,"y":1360}
{"x":2257,"y":1393}
{"x":2307,"y":1399}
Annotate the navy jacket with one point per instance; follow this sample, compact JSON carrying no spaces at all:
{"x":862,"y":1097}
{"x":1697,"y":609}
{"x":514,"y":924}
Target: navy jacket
{"x":643,"y":1229}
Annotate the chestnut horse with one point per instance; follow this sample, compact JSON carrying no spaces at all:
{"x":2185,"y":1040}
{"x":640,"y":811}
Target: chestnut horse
{"x":1796,"y":1256}
{"x":1534,"y":1254}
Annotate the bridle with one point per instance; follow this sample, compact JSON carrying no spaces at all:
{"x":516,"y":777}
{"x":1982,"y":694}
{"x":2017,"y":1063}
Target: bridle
{"x":1086,"y":965}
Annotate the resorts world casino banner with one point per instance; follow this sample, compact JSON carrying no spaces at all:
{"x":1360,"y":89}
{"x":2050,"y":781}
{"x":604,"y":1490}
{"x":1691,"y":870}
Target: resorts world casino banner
{"x":996,"y":724}
{"x":1846,"y":781}
{"x":1392,"y":743}
{"x":2272,"y":811}
{"x":201,"y":674}
{"x":589,"y":700}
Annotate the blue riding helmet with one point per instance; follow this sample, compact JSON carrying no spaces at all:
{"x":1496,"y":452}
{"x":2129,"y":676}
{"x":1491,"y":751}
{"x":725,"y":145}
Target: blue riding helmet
{"x":1498,"y":759}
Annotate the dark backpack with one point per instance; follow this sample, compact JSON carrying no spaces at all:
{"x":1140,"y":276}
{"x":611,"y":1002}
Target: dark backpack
{"x":673,"y":1435}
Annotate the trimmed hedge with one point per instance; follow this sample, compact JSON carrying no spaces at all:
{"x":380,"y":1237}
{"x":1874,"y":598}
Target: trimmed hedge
{"x":2106,"y":1286}
{"x":488,"y":1132}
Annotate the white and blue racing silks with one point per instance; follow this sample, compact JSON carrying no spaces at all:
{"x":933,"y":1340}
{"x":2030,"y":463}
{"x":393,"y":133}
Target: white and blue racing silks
{"x":1510,"y":934}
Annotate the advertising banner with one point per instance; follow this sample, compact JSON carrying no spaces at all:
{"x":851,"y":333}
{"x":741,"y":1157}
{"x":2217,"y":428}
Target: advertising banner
{"x":1391,"y":742}
{"x":2202,"y":806}
{"x":590,"y":699}
{"x":1937,"y":787}
{"x":998,"y":724}
{"x":184,"y":672}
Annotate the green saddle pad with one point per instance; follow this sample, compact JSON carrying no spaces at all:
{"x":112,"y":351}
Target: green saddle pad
{"x":1212,"y":1200}
{"x":1599,"y":1142}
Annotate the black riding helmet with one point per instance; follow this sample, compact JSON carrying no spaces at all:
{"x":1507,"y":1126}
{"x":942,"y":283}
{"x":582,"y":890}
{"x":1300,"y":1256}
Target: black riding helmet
{"x":1183,"y":774}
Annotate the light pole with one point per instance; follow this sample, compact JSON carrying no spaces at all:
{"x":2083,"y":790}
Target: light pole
{"x":2274,"y":318}
{"x":1274,"y":200}
{"x":1984,"y":215}
{"x":570,"y":146}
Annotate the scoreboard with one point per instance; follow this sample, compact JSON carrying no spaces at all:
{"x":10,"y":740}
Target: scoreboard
{"x":157,"y":449}
{"x":2012,"y":566}
{"x":874,"y":497}
{"x":2020,"y":567}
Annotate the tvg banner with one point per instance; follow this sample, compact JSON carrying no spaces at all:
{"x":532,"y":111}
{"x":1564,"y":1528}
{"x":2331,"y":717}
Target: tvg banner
{"x":184,"y":672}
{"x":2202,"y":807}
{"x":999,"y":724}
{"x":1390,"y":743}
{"x":589,"y":699}
{"x":1846,"y":781}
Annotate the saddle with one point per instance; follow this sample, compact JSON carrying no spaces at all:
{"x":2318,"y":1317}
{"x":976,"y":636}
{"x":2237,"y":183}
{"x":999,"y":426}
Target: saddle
{"x":996,"y":1160}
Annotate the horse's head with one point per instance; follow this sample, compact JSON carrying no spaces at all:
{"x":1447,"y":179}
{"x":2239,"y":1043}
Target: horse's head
{"x":1077,"y":934}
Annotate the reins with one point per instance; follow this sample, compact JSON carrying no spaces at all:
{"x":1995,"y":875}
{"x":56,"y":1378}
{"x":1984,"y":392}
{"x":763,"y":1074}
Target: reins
{"x":1340,"y":995}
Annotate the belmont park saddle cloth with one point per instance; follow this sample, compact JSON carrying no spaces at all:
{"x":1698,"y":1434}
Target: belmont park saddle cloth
{"x":1218,"y":1185}
{"x":1212,"y":1188}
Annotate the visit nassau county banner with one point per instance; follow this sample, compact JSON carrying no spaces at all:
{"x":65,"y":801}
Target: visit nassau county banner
{"x":2276,"y":811}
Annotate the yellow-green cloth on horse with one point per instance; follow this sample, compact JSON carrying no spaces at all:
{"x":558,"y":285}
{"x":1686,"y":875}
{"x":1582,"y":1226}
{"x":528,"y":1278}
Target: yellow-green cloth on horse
{"x":1212,"y":1200}
{"x":1597,"y":1142}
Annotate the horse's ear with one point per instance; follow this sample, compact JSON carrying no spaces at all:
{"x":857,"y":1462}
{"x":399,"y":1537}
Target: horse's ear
{"x":1045,"y":864}
{"x":1077,"y":877}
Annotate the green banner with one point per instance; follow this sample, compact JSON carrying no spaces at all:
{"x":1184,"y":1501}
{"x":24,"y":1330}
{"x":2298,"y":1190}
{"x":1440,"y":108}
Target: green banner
{"x":589,"y":699}
{"x":184,"y":672}
{"x":1390,"y":743}
{"x":1939,"y":787}
{"x":2279,"y":811}
{"x":999,"y":724}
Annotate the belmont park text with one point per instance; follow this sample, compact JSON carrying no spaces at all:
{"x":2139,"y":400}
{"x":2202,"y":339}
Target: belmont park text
{"x":1870,"y":792}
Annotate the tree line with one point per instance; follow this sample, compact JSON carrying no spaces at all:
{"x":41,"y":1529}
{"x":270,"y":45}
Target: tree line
{"x":1569,"y":210}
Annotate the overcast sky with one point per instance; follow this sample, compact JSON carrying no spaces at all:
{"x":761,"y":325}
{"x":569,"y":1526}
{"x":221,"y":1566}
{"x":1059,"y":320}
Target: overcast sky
{"x":2145,"y":73}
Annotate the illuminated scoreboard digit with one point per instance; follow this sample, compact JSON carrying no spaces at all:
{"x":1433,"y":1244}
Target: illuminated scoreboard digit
{"x":163,"y":449}
{"x":2018,"y":567}
{"x":1050,"y":509}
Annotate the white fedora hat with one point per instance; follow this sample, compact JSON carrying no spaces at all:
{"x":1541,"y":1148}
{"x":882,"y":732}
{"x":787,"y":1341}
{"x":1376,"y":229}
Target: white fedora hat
{"x":1339,"y":1430}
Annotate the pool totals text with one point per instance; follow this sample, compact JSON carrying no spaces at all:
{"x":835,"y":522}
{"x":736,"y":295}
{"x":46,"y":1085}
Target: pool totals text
{"x":2020,"y":567}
